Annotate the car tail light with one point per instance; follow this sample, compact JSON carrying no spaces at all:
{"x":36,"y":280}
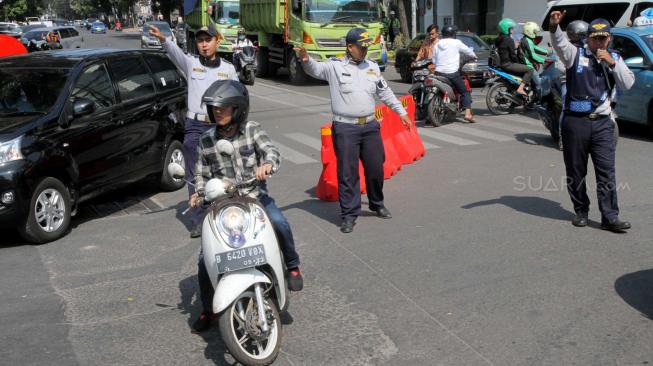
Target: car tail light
{"x":307,"y":39}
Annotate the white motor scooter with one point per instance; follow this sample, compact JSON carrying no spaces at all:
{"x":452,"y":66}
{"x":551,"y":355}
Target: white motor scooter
{"x":244,"y":261}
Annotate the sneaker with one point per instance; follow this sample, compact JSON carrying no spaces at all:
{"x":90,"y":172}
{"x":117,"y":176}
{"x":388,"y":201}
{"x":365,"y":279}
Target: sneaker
{"x":203,"y":323}
{"x":295,"y":279}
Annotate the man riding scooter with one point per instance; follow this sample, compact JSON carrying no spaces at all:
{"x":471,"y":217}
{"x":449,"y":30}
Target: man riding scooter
{"x":446,"y":58}
{"x":227,"y":104}
{"x":238,"y":46}
{"x":531,"y":54}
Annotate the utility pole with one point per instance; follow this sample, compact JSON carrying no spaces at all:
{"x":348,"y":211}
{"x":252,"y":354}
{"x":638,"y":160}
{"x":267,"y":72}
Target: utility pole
{"x":413,"y":18}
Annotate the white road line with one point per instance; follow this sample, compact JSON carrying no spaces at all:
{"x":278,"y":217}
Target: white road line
{"x":293,"y":155}
{"x":305,"y":139}
{"x":428,"y":146}
{"x":515,"y":118}
{"x":446,"y":138}
{"x":310,"y":110}
{"x":293,"y":91}
{"x":478,"y":133}
{"x":511,"y":127}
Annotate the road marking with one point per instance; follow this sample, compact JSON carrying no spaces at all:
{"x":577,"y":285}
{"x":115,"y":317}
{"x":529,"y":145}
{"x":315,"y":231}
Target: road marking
{"x":293,"y":91}
{"x":428,"y":146}
{"x":293,"y":155}
{"x":446,"y":138}
{"x":515,"y":118}
{"x":305,"y":139}
{"x":478,"y":133}
{"x":310,"y":110}
{"x":511,"y":127}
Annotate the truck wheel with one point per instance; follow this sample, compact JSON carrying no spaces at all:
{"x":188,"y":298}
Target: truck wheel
{"x":49,"y":212}
{"x":263,"y":65}
{"x":296,"y":71}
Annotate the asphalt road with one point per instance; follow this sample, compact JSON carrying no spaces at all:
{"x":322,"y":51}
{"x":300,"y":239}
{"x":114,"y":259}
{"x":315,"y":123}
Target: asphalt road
{"x":479,"y":266}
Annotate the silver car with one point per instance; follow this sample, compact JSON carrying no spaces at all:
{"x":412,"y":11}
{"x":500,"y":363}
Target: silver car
{"x":148,"y":41}
{"x":68,"y":36}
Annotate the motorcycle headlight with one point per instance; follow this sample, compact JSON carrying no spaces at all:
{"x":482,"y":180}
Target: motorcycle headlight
{"x":234,"y":222}
{"x":10,"y":151}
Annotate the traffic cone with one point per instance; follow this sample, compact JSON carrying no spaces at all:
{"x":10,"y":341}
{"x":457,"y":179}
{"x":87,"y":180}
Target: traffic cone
{"x":327,"y":185}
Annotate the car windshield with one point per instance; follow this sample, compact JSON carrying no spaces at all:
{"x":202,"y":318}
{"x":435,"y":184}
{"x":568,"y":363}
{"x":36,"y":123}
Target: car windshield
{"x":163,"y":27}
{"x":227,"y":12}
{"x":98,"y":24}
{"x":474,"y":42}
{"x":27,"y":91}
{"x":341,"y":11}
{"x":37,"y":35}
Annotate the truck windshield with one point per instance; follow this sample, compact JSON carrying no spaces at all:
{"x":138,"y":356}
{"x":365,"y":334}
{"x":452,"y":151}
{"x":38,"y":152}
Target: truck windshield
{"x":227,"y":12}
{"x":341,"y":11}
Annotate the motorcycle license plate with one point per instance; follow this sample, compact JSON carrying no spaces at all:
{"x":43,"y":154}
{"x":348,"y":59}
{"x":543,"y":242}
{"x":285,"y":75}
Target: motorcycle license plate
{"x":240,"y":259}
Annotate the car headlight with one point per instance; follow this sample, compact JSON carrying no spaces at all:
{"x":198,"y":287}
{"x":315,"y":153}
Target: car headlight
{"x":234,"y":222}
{"x":10,"y":151}
{"x":144,"y":38}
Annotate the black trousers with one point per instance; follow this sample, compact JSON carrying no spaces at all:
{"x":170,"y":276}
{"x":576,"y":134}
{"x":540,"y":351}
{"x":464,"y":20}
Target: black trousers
{"x":526,"y":72}
{"x":583,"y":138}
{"x":351,"y":143}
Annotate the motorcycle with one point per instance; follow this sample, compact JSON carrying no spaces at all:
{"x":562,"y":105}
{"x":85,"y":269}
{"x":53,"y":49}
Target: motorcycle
{"x":244,"y":261}
{"x":246,"y":58}
{"x":418,"y":90}
{"x":444,"y":101}
{"x":118,"y":27}
{"x":550,"y":106}
{"x":502,"y":96}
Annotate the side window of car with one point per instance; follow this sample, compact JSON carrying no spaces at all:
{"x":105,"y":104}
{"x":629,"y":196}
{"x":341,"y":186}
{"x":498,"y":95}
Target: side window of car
{"x":132,"y":77}
{"x":94,"y":84}
{"x":165,"y":73}
{"x":627,"y":48}
{"x":73,"y":33}
{"x":63,"y":32}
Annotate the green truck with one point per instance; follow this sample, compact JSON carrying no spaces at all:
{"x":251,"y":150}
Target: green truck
{"x":319,"y":25}
{"x":224,"y":14}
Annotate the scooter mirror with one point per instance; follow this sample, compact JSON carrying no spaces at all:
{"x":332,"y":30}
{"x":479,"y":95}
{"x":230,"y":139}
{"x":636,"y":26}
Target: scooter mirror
{"x":225,"y":147}
{"x":214,"y":189}
{"x":176,"y":171}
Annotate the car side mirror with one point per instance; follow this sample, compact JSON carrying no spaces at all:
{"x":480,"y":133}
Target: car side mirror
{"x":296,"y":5}
{"x":635,"y":62}
{"x":82,"y":107}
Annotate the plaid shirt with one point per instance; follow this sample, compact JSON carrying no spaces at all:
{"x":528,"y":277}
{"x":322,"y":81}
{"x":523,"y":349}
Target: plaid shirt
{"x":252,"y":147}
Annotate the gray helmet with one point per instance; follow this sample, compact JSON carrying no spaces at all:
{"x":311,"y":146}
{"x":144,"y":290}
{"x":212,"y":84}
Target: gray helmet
{"x":577,"y":30}
{"x":225,"y":93}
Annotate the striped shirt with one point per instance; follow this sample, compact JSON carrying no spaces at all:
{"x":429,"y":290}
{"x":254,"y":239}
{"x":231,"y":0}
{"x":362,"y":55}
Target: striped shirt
{"x":252,"y":148}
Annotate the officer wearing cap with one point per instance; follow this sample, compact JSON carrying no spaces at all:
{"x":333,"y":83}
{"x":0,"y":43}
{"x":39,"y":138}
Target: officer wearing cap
{"x":201,"y":72}
{"x":353,"y":82}
{"x":588,"y":127}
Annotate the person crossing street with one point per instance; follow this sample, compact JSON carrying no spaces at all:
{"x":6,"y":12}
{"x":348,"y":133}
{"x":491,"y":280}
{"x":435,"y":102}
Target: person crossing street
{"x":353,"y":83}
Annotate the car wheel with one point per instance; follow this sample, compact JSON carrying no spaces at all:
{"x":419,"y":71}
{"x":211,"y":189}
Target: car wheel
{"x":174,"y":154}
{"x":49,"y":211}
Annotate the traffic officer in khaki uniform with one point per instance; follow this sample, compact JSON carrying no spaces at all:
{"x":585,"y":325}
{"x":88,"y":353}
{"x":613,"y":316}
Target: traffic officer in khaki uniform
{"x":353,"y":82}
{"x":588,"y":128}
{"x":200,"y":72}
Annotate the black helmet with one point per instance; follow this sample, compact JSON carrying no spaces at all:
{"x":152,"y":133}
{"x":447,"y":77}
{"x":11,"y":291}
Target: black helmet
{"x":449,"y":31}
{"x":225,"y":93}
{"x":577,"y":31}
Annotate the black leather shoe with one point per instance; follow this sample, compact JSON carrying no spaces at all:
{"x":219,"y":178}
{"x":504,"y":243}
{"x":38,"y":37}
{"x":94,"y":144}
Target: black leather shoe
{"x":580,"y":220}
{"x":383,"y":213}
{"x":616,"y":226}
{"x":295,"y":279}
{"x":196,"y":232}
{"x":203,"y":323}
{"x":347,"y":226}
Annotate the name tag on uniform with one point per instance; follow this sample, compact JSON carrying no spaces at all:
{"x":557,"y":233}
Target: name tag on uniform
{"x":198,"y":69}
{"x":371,"y":72}
{"x":584,"y":61}
{"x":223,"y":75}
{"x":345,"y":74}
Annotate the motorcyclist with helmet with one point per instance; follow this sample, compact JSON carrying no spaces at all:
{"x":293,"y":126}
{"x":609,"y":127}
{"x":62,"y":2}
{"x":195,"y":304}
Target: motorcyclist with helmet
{"x":508,"y":55}
{"x":238,"y":46}
{"x":446,"y":58}
{"x":531,"y":54}
{"x":254,"y":157}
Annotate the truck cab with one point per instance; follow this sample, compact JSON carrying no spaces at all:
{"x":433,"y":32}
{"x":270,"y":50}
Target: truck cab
{"x":226,"y":15}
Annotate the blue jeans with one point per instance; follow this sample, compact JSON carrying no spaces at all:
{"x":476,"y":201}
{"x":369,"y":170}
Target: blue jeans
{"x":286,"y":243}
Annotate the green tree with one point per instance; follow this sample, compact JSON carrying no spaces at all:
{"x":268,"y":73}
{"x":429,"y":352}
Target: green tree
{"x":19,"y":9}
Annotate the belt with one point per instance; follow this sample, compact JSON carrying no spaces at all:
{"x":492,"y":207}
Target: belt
{"x":591,"y":116}
{"x":354,"y":120}
{"x":199,"y":117}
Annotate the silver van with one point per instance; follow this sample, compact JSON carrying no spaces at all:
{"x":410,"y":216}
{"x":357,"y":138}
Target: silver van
{"x":68,"y":35}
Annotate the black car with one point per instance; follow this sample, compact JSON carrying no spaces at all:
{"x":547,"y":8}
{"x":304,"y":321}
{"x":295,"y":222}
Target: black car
{"x":77,"y":123}
{"x":476,"y":71}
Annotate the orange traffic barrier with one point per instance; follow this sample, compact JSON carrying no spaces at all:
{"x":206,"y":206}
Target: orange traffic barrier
{"x":400,"y":146}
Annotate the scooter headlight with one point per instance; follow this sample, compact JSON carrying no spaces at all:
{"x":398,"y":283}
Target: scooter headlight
{"x":234,"y":222}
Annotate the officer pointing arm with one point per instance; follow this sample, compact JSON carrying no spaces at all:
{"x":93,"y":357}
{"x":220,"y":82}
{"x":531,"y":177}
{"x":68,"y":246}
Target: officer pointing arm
{"x":353,"y":82}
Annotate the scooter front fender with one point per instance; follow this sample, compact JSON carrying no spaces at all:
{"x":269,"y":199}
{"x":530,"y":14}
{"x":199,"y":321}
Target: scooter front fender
{"x":232,"y":284}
